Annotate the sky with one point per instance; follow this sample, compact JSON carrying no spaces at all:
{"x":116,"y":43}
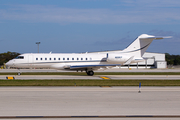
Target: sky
{"x":76,"y":26}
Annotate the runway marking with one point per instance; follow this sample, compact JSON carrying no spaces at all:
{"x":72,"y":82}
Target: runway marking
{"x":10,"y":78}
{"x":105,"y":78}
{"x":108,"y":116}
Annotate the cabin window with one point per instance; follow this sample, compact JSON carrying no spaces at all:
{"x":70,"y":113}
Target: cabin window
{"x":72,"y":58}
{"x":36,"y":58}
{"x":63,"y":58}
{"x":90,"y":58}
{"x":58,"y":58}
{"x":86,"y":59}
{"x":77,"y":58}
{"x":67,"y":58}
{"x":45,"y":58}
{"x":54,"y":58}
{"x":49,"y":58}
{"x":41,"y":58}
{"x":81,"y":58}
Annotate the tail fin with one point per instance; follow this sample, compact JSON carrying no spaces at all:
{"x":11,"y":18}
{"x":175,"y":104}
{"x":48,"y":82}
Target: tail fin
{"x":140,"y":45}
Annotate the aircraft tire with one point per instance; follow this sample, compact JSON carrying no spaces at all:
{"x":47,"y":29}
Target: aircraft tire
{"x":90,"y":73}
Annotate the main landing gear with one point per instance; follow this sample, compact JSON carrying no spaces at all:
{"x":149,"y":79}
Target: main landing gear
{"x":90,"y":73}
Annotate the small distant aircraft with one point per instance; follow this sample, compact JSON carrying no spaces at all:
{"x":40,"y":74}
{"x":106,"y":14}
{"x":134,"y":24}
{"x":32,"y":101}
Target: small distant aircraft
{"x":86,"y":61}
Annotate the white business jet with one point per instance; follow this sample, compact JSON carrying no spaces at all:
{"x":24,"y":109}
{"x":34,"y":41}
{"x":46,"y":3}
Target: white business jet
{"x":86,"y":61}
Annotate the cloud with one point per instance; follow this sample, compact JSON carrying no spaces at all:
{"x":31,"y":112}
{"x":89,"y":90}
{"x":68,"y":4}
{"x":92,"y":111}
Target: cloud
{"x":112,"y":42}
{"x":118,"y":44}
{"x":150,"y":3}
{"x":54,"y":14}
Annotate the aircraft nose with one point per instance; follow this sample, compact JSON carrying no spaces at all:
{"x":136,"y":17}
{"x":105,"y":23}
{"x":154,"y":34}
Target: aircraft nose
{"x":9,"y":63}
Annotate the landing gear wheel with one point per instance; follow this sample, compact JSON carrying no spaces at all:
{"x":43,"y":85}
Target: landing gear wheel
{"x":90,"y":73}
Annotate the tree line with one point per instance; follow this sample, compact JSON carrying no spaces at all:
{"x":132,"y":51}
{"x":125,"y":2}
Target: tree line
{"x":172,"y":59}
{"x":5,"y":57}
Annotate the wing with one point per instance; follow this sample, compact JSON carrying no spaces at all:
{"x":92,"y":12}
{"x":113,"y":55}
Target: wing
{"x":92,"y":67}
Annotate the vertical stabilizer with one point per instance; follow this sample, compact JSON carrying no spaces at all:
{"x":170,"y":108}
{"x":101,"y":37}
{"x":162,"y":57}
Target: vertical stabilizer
{"x":140,"y":45}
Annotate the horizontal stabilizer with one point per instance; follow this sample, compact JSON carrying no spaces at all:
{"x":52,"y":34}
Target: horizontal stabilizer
{"x":155,"y":37}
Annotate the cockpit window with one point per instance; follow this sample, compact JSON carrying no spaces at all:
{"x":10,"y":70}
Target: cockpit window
{"x":19,"y":57}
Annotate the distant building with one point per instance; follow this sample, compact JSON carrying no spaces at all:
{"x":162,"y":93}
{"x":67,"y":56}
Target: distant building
{"x":153,"y":60}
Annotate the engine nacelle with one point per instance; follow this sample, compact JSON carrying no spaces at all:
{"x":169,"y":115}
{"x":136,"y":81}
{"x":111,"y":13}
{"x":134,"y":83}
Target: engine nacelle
{"x":117,"y":58}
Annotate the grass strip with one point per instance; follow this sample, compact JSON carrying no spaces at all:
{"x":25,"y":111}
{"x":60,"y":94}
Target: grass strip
{"x":96,"y":73}
{"x":89,"y":82}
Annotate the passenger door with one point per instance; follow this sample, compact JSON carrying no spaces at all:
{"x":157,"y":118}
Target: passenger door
{"x":31,"y":61}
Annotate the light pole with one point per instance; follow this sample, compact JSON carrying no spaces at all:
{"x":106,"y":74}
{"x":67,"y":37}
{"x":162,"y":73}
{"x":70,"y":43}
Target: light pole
{"x":38,"y":45}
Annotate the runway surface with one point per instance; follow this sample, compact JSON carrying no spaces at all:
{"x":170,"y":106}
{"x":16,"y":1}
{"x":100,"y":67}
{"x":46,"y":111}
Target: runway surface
{"x":107,"y":70}
{"x":90,"y":101}
{"x":100,"y":77}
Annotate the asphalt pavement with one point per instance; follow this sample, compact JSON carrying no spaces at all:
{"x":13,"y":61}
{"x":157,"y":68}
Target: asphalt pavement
{"x":91,"y":101}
